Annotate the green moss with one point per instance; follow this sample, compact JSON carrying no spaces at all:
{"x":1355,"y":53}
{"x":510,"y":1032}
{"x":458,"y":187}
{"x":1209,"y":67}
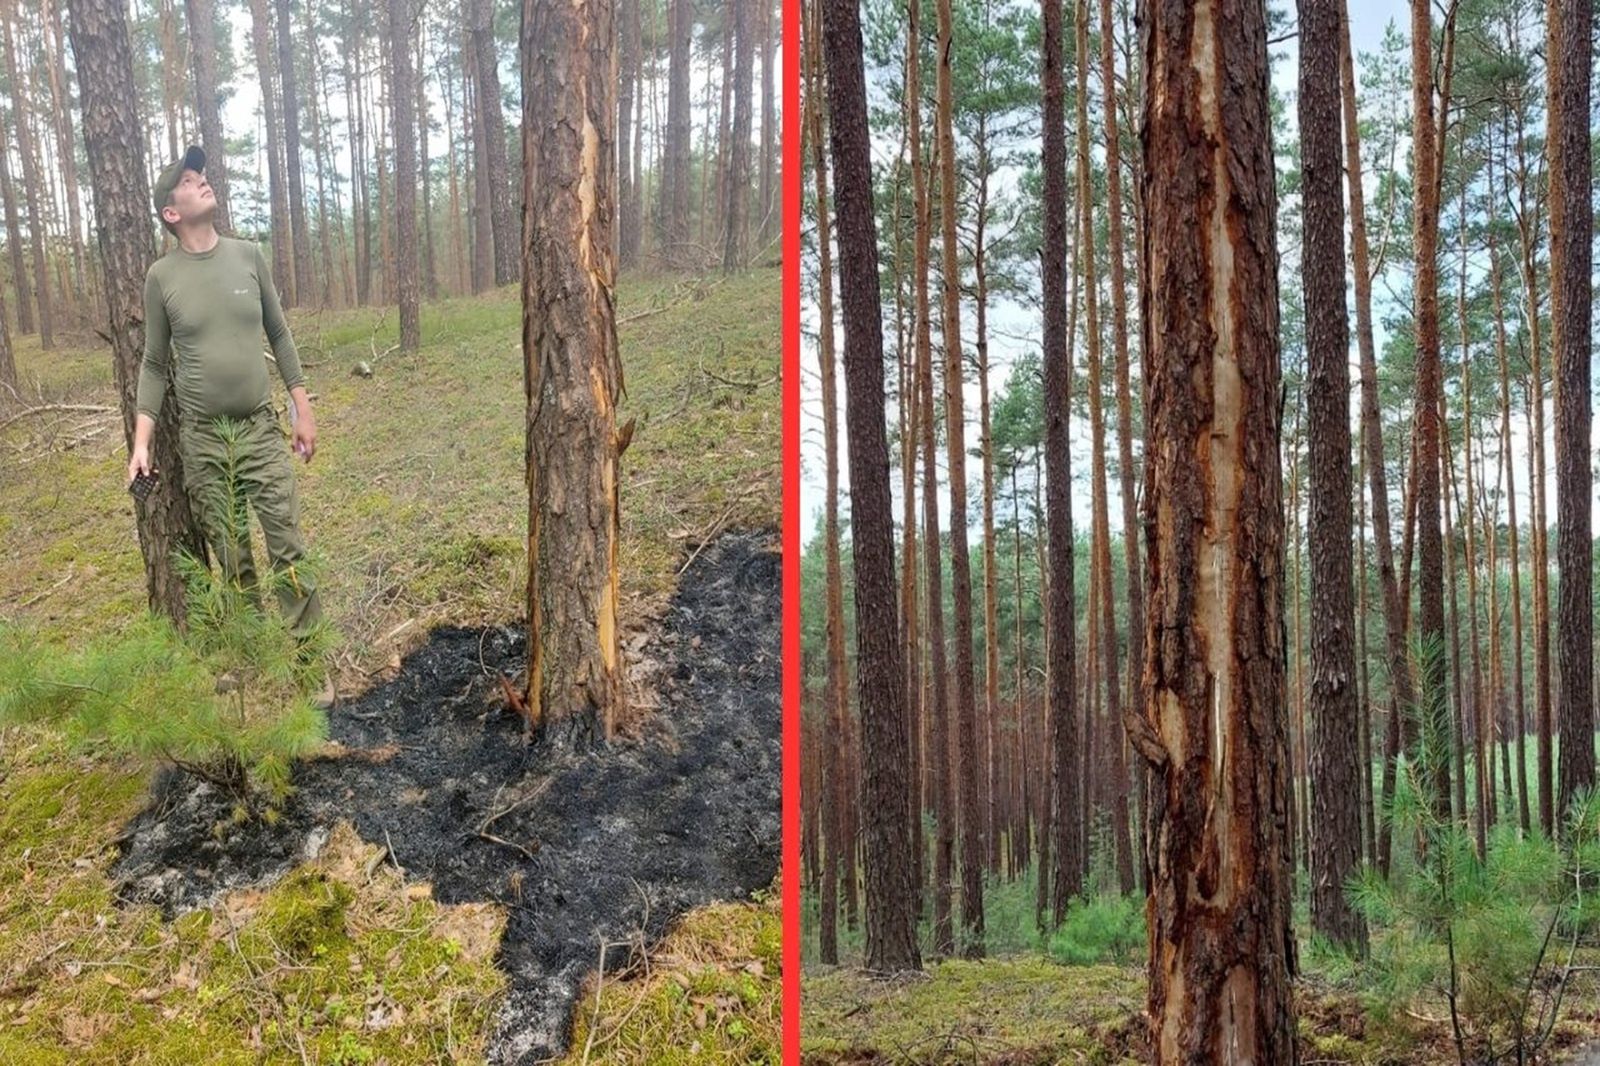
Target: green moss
{"x":303,"y":918}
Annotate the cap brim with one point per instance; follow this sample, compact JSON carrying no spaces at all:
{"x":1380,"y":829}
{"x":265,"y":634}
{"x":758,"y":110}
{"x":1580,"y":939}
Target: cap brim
{"x":195,"y":159}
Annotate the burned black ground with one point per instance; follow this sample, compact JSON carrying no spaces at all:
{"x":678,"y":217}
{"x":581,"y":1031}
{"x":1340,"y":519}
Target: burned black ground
{"x":622,"y":841}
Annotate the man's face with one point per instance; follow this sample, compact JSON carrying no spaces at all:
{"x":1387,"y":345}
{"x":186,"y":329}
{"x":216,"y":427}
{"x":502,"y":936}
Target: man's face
{"x":192,"y":200}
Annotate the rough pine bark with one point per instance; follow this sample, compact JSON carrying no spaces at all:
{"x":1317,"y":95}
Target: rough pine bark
{"x":737,"y":211}
{"x":113,"y":143}
{"x":572,"y":372}
{"x":1569,"y":45}
{"x":404,"y":116}
{"x":282,"y":235}
{"x":1335,"y":852}
{"x":966,"y":718}
{"x":492,"y":121}
{"x":886,"y":795}
{"x":1060,"y":649}
{"x":1213,"y":729}
{"x":32,"y":185}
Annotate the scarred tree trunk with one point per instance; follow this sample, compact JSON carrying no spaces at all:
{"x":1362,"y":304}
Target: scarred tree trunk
{"x":282,"y":235}
{"x":938,"y":667}
{"x":115,"y":149}
{"x":492,"y":123}
{"x":33,"y":186}
{"x":1221,"y":943}
{"x":1335,"y":853}
{"x":1568,"y":46}
{"x":572,"y":373}
{"x":1060,"y":648}
{"x":972,"y":853}
{"x":889,"y":819}
{"x":405,"y":174}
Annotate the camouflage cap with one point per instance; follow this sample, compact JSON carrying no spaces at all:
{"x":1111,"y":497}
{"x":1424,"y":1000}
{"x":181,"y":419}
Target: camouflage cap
{"x":193,"y":158}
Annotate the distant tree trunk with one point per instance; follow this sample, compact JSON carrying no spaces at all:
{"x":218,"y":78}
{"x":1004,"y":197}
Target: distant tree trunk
{"x":304,"y":283}
{"x":1335,"y":853}
{"x":738,"y":209}
{"x":430,"y":270}
{"x":103,"y":57}
{"x":68,"y":150}
{"x":988,"y":784}
{"x":769,"y":124}
{"x":1221,"y":942}
{"x":403,"y":113}
{"x":891,"y":896}
{"x":171,"y":72}
{"x":32,"y":183}
{"x":724,"y":118}
{"x":19,"y":270}
{"x":1435,"y":759}
{"x":938,"y":667}
{"x":1057,"y":407}
{"x":1569,"y":44}
{"x":482,"y":220}
{"x":628,"y":47}
{"x":572,"y":373}
{"x":1483,"y":750}
{"x":492,"y":124}
{"x":633,"y":232}
{"x":675,"y":174}
{"x":282,"y":234}
{"x":972,"y":851}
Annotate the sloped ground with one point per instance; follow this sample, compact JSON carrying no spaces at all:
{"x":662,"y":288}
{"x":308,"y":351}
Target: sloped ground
{"x":606,"y":849}
{"x":415,"y":504}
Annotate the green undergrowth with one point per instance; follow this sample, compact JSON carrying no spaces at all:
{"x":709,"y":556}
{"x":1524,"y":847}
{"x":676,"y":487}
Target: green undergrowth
{"x":711,"y":992}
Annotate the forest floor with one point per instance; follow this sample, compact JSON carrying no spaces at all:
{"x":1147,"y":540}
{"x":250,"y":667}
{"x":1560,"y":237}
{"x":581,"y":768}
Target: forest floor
{"x":352,"y":932}
{"x":1033,"y":1011}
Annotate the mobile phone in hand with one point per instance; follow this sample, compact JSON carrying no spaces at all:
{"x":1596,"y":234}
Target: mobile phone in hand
{"x":142,"y":485}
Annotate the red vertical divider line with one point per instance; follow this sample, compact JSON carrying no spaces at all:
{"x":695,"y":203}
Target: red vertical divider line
{"x":791,"y":532}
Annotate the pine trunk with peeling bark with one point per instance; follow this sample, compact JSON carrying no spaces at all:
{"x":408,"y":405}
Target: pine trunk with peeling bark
{"x":1061,"y":626}
{"x":1335,"y":852}
{"x":404,"y":116}
{"x":885,"y":750}
{"x":114,"y":146}
{"x":966,"y":717}
{"x":1569,"y":46}
{"x":572,"y":373}
{"x":1213,"y":728}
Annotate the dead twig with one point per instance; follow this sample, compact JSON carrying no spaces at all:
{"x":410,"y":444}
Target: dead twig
{"x":512,"y":844}
{"x":707,"y":537}
{"x":57,"y":408}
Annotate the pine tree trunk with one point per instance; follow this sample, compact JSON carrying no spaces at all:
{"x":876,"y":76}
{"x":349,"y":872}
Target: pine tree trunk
{"x":282,"y":234}
{"x":19,"y":270}
{"x":972,"y":849}
{"x":103,"y":57}
{"x":572,"y":373}
{"x":404,"y":115}
{"x":769,"y":126}
{"x":628,"y":45}
{"x":1483,"y":753}
{"x":304,"y":281}
{"x":987,"y":783}
{"x":430,"y":266}
{"x":738,"y":209}
{"x":675,"y":173}
{"x":1222,"y":952}
{"x":68,"y":154}
{"x":1434,"y":762}
{"x":1335,"y":852}
{"x":938,"y":667}
{"x":482,"y":189}
{"x":1568,"y":45}
{"x":171,"y":73}
{"x":891,"y":897}
{"x":1057,"y":344}
{"x":492,"y":123}
{"x":33,"y":186}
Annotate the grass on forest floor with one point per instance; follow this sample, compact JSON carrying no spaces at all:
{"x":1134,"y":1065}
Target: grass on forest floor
{"x":416,"y":506}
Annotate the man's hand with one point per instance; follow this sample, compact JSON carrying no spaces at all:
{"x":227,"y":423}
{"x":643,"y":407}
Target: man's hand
{"x":305,"y":426}
{"x":139,"y":455}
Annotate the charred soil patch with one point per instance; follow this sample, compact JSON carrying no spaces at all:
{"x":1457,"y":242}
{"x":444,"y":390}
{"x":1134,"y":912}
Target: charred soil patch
{"x":604,"y":849}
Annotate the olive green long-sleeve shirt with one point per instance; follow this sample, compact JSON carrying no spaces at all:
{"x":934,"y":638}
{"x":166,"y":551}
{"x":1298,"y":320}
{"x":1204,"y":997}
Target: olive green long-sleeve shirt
{"x":204,"y":315}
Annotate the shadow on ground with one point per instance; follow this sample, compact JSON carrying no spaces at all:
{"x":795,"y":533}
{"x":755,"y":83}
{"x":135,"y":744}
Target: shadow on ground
{"x":600,"y":849}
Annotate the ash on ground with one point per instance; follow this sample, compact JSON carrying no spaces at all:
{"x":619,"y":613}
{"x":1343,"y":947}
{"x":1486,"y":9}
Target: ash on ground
{"x":612,"y":847}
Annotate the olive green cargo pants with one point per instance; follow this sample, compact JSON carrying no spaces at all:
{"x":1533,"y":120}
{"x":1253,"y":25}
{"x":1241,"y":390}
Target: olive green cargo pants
{"x":258,"y":454}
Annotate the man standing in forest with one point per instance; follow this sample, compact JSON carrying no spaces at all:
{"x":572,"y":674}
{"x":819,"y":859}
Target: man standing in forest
{"x":207,"y":303}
